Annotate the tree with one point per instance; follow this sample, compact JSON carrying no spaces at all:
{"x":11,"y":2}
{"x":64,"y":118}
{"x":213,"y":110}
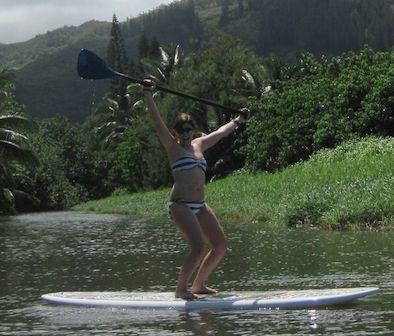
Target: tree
{"x":14,"y":152}
{"x":215,"y":73}
{"x":118,"y":59}
{"x":164,"y":65}
{"x":139,"y":160}
{"x":114,"y":114}
{"x":116,"y":121}
{"x":319,"y":104}
{"x":143,"y":46}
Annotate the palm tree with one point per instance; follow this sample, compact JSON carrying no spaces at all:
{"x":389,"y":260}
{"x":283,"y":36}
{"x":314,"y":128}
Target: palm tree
{"x":117,"y":120}
{"x":119,"y":116}
{"x":12,"y":142}
{"x":13,"y":151}
{"x":165,"y":65}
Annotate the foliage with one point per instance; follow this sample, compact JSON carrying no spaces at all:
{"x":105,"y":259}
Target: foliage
{"x":355,"y":149}
{"x":351,"y":191}
{"x":118,"y":60}
{"x":176,"y":23}
{"x":50,"y":86}
{"x":140,"y":159}
{"x":14,"y":154}
{"x":304,"y":112}
{"x":66,"y":175}
{"x":315,"y":102}
{"x":114,"y":119}
{"x":321,"y":104}
{"x":46,"y":79}
{"x":320,"y":27}
{"x":215,"y":73}
{"x":18,"y":55}
{"x":336,"y":198}
{"x":114,"y":115}
{"x":162,"y":66}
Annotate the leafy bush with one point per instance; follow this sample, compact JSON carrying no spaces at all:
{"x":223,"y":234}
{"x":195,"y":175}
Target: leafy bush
{"x":140,"y":159}
{"x":318,"y":105}
{"x":61,"y":179}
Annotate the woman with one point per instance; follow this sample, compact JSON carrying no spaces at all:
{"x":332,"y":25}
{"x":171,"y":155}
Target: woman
{"x":192,"y":215}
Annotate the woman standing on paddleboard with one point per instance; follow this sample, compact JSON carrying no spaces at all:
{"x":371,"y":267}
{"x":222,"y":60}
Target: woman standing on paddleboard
{"x":188,"y":209}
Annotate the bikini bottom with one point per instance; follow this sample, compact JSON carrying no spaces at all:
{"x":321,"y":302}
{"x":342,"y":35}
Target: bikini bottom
{"x":193,"y":206}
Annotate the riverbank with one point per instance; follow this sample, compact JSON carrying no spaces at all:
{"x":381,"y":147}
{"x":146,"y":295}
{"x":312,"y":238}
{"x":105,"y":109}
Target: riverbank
{"x":346,"y":188}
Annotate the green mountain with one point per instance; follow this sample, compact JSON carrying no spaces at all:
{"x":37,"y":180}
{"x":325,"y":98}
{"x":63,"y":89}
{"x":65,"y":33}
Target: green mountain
{"x":20,"y":54}
{"x":46,"y":78}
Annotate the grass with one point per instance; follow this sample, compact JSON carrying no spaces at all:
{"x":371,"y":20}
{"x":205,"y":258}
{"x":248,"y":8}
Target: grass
{"x":346,"y":188}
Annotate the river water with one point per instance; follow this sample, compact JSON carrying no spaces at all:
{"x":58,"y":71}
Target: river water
{"x":69,"y":251}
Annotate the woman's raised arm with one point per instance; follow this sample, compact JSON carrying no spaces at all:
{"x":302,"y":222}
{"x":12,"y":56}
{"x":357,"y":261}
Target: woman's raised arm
{"x":165,"y":136}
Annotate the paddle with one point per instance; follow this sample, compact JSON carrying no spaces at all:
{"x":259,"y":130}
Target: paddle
{"x":90,"y":66}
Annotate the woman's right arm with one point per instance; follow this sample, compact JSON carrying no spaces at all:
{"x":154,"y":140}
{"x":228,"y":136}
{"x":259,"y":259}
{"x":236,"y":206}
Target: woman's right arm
{"x":165,"y":136}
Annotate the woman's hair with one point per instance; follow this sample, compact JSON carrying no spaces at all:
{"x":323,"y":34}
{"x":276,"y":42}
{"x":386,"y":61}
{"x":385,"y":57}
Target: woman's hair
{"x":182,"y":119}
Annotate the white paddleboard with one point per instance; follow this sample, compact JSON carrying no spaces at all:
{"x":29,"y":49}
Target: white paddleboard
{"x":296,"y":299}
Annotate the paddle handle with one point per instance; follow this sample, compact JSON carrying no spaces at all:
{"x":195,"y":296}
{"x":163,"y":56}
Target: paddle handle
{"x":185,"y":95}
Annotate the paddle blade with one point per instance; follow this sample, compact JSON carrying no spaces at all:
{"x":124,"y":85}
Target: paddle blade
{"x":90,"y":66}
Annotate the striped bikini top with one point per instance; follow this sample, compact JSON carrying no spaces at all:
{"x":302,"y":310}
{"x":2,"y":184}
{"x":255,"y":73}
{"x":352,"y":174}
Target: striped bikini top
{"x":188,"y":162}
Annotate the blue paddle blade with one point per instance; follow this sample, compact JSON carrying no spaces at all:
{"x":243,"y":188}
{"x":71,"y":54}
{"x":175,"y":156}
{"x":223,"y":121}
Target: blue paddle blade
{"x":90,"y":66}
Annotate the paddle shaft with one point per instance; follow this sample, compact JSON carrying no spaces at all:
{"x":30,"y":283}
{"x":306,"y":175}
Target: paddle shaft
{"x":182,"y":94}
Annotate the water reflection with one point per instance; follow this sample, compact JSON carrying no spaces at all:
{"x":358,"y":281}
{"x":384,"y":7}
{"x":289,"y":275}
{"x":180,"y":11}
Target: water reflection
{"x":65,"y":251}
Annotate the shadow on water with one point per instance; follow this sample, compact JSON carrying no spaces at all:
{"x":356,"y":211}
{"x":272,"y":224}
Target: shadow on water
{"x":68,"y":251}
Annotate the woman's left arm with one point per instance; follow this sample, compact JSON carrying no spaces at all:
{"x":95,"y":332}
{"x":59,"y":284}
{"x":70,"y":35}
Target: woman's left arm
{"x":211,"y":139}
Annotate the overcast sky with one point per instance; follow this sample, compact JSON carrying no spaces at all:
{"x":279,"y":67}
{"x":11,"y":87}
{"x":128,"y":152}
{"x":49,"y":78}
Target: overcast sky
{"x":21,"y":20}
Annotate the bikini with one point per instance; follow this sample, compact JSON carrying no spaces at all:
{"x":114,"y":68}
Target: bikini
{"x":188,"y":162}
{"x":184,"y":163}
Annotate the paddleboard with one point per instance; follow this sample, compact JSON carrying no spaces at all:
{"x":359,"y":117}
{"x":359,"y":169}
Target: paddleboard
{"x":296,"y":299}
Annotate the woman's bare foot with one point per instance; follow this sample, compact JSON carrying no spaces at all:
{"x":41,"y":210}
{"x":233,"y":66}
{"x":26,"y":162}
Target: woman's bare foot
{"x":204,"y":290}
{"x":186,"y":295}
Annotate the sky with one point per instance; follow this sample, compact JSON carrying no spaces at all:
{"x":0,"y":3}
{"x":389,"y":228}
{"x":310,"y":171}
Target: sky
{"x":21,"y":20}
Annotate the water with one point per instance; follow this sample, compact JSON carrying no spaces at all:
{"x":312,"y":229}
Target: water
{"x":67,"y":251}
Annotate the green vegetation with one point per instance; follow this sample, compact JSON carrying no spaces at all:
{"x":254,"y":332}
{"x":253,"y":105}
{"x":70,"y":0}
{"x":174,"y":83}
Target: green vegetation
{"x":64,"y":163}
{"x":20,"y":54}
{"x":314,"y":104}
{"x":319,"y":104}
{"x":46,"y":80}
{"x":48,"y":85}
{"x":15,"y":156}
{"x":347,"y":187}
{"x":302,"y":104}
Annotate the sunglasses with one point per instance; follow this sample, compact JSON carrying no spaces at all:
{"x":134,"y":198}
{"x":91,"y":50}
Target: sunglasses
{"x":184,"y":130}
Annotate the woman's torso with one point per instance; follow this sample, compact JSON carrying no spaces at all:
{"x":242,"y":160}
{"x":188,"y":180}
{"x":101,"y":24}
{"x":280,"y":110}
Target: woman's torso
{"x":188,"y":181}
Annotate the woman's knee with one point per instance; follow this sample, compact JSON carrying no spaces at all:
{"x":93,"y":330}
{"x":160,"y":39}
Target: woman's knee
{"x":221,"y":247}
{"x":197,"y":251}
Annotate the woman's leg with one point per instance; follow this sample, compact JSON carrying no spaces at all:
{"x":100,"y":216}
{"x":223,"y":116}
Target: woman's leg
{"x":188,"y":224}
{"x":214,"y":234}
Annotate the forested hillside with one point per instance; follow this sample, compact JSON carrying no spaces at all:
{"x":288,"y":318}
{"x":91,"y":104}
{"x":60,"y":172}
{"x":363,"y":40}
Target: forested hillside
{"x":46,"y":80}
{"x":320,"y":27}
{"x":18,"y":55}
